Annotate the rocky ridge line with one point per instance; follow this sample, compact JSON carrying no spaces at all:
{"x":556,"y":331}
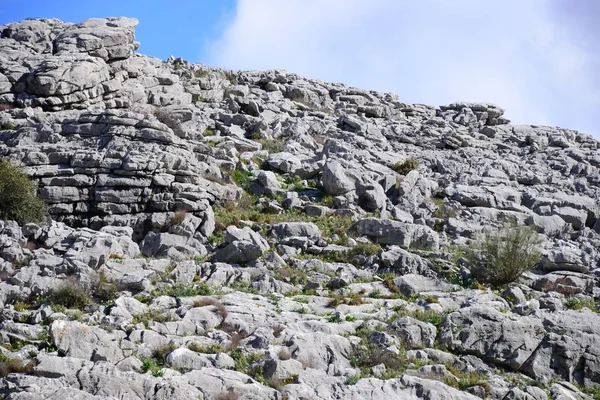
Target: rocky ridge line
{"x":259,"y":235}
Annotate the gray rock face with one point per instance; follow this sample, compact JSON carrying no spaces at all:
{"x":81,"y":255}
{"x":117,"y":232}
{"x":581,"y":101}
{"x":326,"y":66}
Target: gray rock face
{"x":414,"y":333}
{"x":404,"y":262}
{"x":492,"y":336}
{"x":405,"y":235}
{"x":417,"y":284}
{"x":88,"y":343}
{"x":336,"y":179}
{"x":296,"y":229}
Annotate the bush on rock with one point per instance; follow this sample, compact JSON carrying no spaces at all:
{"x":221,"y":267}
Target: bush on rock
{"x":18,"y":196}
{"x":501,"y":256}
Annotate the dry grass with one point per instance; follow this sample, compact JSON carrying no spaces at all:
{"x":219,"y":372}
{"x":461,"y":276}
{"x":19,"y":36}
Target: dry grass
{"x":405,"y":167}
{"x":15,"y":365}
{"x":277,"y":330}
{"x":219,"y":307}
{"x":284,"y":354}
{"x":229,"y":395}
{"x":178,"y":217}
{"x":236,"y":338}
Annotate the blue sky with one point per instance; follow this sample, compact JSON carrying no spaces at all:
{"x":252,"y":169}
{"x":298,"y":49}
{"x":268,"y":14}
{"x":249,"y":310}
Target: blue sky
{"x":538,"y":59}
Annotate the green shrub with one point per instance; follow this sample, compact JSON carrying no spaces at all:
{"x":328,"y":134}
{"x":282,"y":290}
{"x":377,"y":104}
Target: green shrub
{"x":405,"y":167}
{"x":576,"y":303}
{"x":352,"y":379}
{"x":70,"y":295}
{"x":184,"y":290}
{"x":501,"y":256}
{"x":199,"y":73}
{"x":18,"y":196}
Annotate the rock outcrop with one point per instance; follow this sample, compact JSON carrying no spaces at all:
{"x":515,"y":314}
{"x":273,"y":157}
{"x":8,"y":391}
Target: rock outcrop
{"x":257,"y":235}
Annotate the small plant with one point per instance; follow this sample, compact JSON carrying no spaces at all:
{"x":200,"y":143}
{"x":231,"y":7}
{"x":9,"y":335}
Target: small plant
{"x":292,"y":275}
{"x":335,"y":318}
{"x":242,"y":178}
{"x":406,"y":166}
{"x":213,"y":348}
{"x":277,"y":330}
{"x":578,"y":303}
{"x":428,"y":316}
{"x":352,"y":380}
{"x":7,"y":127}
{"x":184,"y":290}
{"x":151,"y":315}
{"x":246,"y":363}
{"x":366,"y":355}
{"x":18,"y":196}
{"x":284,"y":354}
{"x":353,"y":299}
{"x":388,"y":281}
{"x":104,"y":289}
{"x":70,"y":295}
{"x":501,"y":256}
{"x":200,"y":73}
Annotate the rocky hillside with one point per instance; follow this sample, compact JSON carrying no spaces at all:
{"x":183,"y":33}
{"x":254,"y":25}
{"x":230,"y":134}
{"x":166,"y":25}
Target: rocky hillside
{"x":258,"y":235}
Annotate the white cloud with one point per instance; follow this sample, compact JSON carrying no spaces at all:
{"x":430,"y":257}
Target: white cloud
{"x":518,"y":54}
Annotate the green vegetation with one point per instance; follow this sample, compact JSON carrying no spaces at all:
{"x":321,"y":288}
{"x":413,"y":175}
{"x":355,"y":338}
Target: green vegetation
{"x":348,"y":256}
{"x":428,"y":316}
{"x":200,"y":73}
{"x":7,"y":127}
{"x":158,"y":361}
{"x":213,"y":348}
{"x":593,"y":391}
{"x":335,"y":318}
{"x":501,"y":256}
{"x":247,"y":209}
{"x":406,"y":166}
{"x":184,"y":290}
{"x":465,"y":379}
{"x":151,"y":316}
{"x":352,"y":299}
{"x":242,"y":178}
{"x":70,"y":295}
{"x":18,"y":196}
{"x":366,"y":355}
{"x":247,"y":364}
{"x":577,"y":303}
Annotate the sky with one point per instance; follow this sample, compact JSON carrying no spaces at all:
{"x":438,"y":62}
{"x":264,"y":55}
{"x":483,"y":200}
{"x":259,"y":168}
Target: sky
{"x":538,"y":59}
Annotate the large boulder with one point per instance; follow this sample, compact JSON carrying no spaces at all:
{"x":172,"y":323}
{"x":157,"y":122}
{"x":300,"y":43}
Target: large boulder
{"x":503,"y":339}
{"x":386,"y":231}
{"x":242,"y":246}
